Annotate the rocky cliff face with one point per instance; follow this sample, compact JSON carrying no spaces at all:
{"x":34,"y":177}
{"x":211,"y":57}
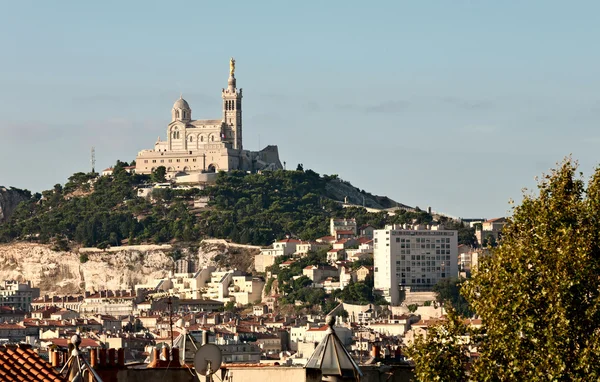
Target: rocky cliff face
{"x":9,"y":200}
{"x":56,"y":272}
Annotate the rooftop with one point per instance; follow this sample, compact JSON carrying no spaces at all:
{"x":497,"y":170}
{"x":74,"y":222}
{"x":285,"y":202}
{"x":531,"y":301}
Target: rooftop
{"x":21,"y":363}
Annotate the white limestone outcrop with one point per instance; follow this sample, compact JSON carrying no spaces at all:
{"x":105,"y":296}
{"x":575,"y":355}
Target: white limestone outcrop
{"x":57,"y":272}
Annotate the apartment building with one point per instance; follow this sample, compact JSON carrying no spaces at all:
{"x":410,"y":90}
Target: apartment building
{"x":414,"y":257}
{"x":17,"y":295}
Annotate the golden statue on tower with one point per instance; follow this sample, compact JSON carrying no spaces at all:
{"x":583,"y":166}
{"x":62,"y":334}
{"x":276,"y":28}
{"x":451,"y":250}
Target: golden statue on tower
{"x":231,"y":67}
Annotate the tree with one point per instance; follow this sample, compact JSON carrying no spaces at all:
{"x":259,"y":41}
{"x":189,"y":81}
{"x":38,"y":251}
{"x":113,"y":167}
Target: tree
{"x":448,"y":293}
{"x":538,"y":295}
{"x":158,"y":174}
{"x":444,"y":354}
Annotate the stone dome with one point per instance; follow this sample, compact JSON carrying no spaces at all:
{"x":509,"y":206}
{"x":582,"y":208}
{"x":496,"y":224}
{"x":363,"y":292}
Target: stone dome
{"x":181,"y":104}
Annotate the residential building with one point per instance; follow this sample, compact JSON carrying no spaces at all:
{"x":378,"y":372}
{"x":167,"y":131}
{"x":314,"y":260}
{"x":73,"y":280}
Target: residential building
{"x":366,"y":231}
{"x":246,"y":289}
{"x":318,"y":273}
{"x":416,"y":257}
{"x":363,"y":272}
{"x":490,"y":230}
{"x":304,"y":247}
{"x":67,"y":302}
{"x":342,"y":227}
{"x":116,"y":303}
{"x":334,"y":255}
{"x":17,"y":295}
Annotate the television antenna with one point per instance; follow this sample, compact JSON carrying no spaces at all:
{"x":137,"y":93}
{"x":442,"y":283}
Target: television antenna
{"x":77,"y":367}
{"x":207,"y":360}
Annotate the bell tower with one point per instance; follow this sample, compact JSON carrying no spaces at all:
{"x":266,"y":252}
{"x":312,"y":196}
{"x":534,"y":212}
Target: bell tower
{"x":232,"y":110}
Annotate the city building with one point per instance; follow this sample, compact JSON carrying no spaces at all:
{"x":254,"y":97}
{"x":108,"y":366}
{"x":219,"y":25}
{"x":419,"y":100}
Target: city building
{"x":490,"y":231}
{"x":207,"y":145}
{"x":341,"y":228}
{"x":413,"y":257}
{"x":17,"y":295}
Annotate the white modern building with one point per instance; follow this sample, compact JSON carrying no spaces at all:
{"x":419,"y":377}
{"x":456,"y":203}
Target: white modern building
{"x":414,"y":257}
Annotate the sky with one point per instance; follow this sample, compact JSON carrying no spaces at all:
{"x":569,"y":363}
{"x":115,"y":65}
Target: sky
{"x":454,"y":105}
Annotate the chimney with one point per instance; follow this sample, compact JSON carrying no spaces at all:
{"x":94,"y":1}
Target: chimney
{"x":93,"y":357}
{"x":375,"y":351}
{"x":175,"y":354}
{"x":121,"y":357}
{"x":155,"y":356}
{"x":102,"y":357}
{"x":54,"y":359}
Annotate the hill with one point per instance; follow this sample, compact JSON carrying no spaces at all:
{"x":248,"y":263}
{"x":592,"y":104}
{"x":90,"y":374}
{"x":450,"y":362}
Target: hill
{"x":92,"y":210}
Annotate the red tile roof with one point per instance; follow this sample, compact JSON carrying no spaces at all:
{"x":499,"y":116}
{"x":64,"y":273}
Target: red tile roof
{"x":289,"y":241}
{"x":21,"y":363}
{"x":320,"y":329}
{"x":345,"y":232}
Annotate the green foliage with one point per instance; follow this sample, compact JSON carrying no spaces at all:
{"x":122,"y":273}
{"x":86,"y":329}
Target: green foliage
{"x":229,"y":306}
{"x":539,"y":293}
{"x":245,"y":208}
{"x":158,"y":174}
{"x":466,"y":234}
{"x":260,"y":208}
{"x":444,"y":354}
{"x":104,"y":217}
{"x":412,"y":308}
{"x":357,"y":293}
{"x":448,"y":293}
{"x":83,"y":258}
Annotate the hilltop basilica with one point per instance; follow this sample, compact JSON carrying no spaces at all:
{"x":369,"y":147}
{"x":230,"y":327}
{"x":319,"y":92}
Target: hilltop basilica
{"x":207,"y":145}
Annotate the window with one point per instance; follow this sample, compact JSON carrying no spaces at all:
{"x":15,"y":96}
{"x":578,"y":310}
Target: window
{"x":191,"y":138}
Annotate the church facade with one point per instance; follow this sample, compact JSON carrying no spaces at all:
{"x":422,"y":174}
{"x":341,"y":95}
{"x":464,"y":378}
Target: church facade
{"x":207,"y":145}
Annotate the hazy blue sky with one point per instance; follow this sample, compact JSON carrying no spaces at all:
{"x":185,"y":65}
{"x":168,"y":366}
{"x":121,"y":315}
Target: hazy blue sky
{"x":451,"y":104}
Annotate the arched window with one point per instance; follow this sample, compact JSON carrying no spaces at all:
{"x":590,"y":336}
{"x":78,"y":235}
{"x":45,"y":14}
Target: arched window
{"x":176,"y":113}
{"x":212,"y":138}
{"x":191,"y":138}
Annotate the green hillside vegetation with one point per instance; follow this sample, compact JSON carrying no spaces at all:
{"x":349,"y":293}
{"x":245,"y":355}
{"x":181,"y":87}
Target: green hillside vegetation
{"x":296,"y":290}
{"x":102,"y":211}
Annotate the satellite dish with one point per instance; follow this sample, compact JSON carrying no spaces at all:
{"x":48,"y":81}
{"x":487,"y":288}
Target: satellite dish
{"x":208,"y":359}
